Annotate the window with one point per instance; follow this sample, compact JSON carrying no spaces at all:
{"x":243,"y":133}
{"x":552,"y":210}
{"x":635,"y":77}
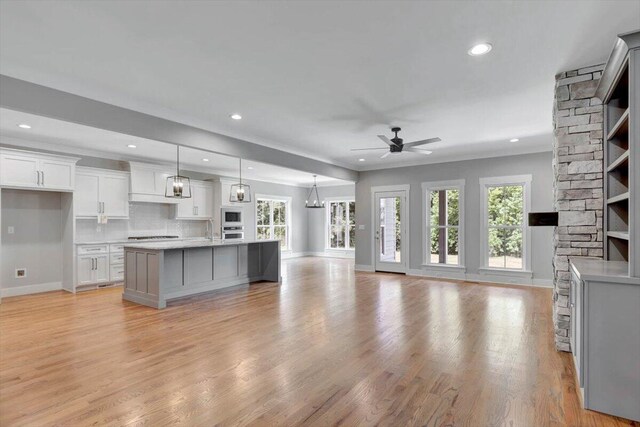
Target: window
{"x":443,"y":208}
{"x":505,"y":238}
{"x":273,"y":219}
{"x":341,"y":224}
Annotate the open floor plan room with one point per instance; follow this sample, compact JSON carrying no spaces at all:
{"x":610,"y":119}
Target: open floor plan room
{"x":320,"y":213}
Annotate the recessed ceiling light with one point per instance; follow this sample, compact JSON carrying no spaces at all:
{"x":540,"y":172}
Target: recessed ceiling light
{"x":131,"y":146}
{"x":361,"y":160}
{"x":480,"y":49}
{"x":250,"y":167}
{"x":514,"y":140}
{"x":236,"y":116}
{"x":205,"y":160}
{"x":24,"y":126}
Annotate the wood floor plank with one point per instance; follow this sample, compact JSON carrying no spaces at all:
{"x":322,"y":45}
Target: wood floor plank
{"x":326,"y":347}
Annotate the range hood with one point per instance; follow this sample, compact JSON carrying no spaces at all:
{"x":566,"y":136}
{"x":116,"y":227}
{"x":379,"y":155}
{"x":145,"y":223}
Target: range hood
{"x":148,"y":183}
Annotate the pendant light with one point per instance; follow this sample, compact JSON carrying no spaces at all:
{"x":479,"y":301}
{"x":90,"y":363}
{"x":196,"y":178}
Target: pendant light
{"x":178,"y":187}
{"x":313,"y":196}
{"x":240,"y":193}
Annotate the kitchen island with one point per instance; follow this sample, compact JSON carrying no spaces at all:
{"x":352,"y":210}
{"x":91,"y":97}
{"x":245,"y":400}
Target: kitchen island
{"x":161,"y":271}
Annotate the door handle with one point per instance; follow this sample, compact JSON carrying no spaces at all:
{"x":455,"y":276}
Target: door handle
{"x":38,"y":176}
{"x":102,"y":206}
{"x":42,"y":172}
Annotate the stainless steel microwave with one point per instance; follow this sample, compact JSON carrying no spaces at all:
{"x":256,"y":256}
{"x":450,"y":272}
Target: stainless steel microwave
{"x":231,"y":217}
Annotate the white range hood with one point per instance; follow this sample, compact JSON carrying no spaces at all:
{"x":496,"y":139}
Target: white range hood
{"x":148,"y":183}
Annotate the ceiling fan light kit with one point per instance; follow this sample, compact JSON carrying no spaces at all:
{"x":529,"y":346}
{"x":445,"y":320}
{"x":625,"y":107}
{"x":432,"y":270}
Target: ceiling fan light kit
{"x":396,"y":145}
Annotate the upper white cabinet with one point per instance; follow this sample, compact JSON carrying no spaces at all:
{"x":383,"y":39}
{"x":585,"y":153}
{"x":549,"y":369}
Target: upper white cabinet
{"x":31,"y":170}
{"x":148,"y":183}
{"x":200,"y":205}
{"x":101,"y":191}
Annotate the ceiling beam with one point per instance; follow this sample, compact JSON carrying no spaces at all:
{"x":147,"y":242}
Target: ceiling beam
{"x":27,"y":97}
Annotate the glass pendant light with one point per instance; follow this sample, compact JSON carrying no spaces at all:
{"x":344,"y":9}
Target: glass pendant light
{"x":313,"y":196}
{"x":178,"y":187}
{"x":240,"y":193}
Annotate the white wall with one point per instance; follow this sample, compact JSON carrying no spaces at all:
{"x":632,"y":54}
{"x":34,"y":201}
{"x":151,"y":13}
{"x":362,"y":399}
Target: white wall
{"x":36,"y":243}
{"x":539,"y":165}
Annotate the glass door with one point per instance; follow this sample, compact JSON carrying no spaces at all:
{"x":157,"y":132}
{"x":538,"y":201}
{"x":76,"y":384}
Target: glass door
{"x":390,"y":231}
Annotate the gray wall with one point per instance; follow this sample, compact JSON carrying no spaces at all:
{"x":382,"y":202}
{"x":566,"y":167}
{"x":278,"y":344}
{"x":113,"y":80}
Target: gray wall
{"x":37,"y":241}
{"x":317,"y":230}
{"x":539,"y":165}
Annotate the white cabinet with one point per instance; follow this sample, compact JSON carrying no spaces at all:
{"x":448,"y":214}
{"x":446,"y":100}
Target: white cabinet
{"x":148,"y":183}
{"x":31,"y":170}
{"x":93,"y":269}
{"x":100,"y":191}
{"x":199,"y":205}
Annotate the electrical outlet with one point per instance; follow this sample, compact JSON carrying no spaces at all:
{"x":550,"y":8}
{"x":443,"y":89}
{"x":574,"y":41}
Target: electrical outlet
{"x":361,"y":227}
{"x":21,"y":273}
{"x":10,"y":229}
{"x":98,"y":229}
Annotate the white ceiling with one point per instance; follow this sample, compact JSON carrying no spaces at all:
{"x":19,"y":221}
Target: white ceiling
{"x":317,"y":78}
{"x":55,"y":135}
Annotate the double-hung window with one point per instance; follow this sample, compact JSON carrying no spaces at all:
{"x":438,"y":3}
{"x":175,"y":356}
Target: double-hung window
{"x":341,"y":224}
{"x":273,"y":219}
{"x":504,"y":234}
{"x":443,"y":206}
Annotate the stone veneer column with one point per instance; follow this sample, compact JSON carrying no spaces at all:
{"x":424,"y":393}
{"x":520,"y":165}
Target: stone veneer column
{"x":578,"y":183}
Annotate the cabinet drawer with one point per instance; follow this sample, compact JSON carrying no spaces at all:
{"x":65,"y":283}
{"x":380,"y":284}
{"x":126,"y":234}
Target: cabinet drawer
{"x":115,"y":248}
{"x":117,"y":273}
{"x":93,"y":249}
{"x":116,"y":258}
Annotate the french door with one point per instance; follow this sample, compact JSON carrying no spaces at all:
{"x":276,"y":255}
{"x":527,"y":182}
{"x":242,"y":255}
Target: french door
{"x":390,"y":225}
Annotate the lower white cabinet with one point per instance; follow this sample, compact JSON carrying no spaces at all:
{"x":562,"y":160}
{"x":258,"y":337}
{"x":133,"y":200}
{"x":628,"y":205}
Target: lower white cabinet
{"x":93,"y":269}
{"x":99,"y":263}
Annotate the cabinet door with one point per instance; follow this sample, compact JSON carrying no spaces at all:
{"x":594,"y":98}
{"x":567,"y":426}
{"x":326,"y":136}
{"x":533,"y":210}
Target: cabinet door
{"x":102,"y":268}
{"x":19,"y":170}
{"x":85,"y":270}
{"x":205,"y":201}
{"x":114,"y":195}
{"x":85,"y":196}
{"x":56,"y":174}
{"x":185,"y":208}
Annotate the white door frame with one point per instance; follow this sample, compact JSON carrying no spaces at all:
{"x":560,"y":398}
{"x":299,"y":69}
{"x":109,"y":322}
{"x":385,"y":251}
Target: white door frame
{"x":405,"y":251}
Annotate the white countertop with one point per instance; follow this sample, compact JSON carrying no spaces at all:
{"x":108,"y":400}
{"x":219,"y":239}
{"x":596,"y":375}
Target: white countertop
{"x":186,"y":244}
{"x":596,"y":269}
{"x":108,"y":242}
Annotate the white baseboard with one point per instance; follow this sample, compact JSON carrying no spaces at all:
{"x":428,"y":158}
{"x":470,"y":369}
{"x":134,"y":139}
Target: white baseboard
{"x":333,"y":254}
{"x":31,"y":289}
{"x":484,"y":278}
{"x":289,"y":255}
{"x":363,"y":267}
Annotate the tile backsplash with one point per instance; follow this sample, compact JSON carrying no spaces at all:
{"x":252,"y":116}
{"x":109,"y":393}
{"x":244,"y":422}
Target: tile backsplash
{"x":145,"y":219}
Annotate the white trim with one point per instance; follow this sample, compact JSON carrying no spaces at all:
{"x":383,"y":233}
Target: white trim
{"x":288,"y":201}
{"x":525,"y":181}
{"x":406,"y":252}
{"x":456,"y":184}
{"x":15,"y":291}
{"x":364,"y":268}
{"x":343,"y":254}
{"x":505,"y":272}
{"x":327,"y":222}
{"x":485,"y":278}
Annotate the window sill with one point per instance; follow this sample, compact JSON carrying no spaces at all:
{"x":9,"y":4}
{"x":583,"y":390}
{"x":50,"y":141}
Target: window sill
{"x":505,"y":272}
{"x":444,"y":267}
{"x":339,"y":250}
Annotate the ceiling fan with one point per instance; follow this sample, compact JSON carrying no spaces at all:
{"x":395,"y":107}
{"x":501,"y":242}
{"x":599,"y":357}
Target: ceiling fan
{"x":397,"y":146}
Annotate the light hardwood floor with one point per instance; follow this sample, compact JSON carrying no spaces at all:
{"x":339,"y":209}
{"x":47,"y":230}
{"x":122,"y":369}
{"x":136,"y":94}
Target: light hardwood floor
{"x":326,"y":347}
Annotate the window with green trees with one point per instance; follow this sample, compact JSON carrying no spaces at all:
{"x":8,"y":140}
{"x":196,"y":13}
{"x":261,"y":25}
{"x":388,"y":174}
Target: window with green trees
{"x":443,"y":226}
{"x":341,"y":221}
{"x":505,"y":232}
{"x":272,"y":220}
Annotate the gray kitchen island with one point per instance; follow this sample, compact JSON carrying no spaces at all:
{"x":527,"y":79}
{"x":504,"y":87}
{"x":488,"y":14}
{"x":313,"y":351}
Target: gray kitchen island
{"x":158,"y":272}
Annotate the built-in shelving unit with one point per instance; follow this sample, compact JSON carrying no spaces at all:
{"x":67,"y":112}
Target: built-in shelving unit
{"x":620,"y":94}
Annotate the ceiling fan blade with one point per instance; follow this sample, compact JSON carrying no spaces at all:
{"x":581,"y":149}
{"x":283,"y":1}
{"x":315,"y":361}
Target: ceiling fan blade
{"x":386,"y":140}
{"x":385,"y":154}
{"x":422,"y":142}
{"x":363,"y":149}
{"x":415,"y":150}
